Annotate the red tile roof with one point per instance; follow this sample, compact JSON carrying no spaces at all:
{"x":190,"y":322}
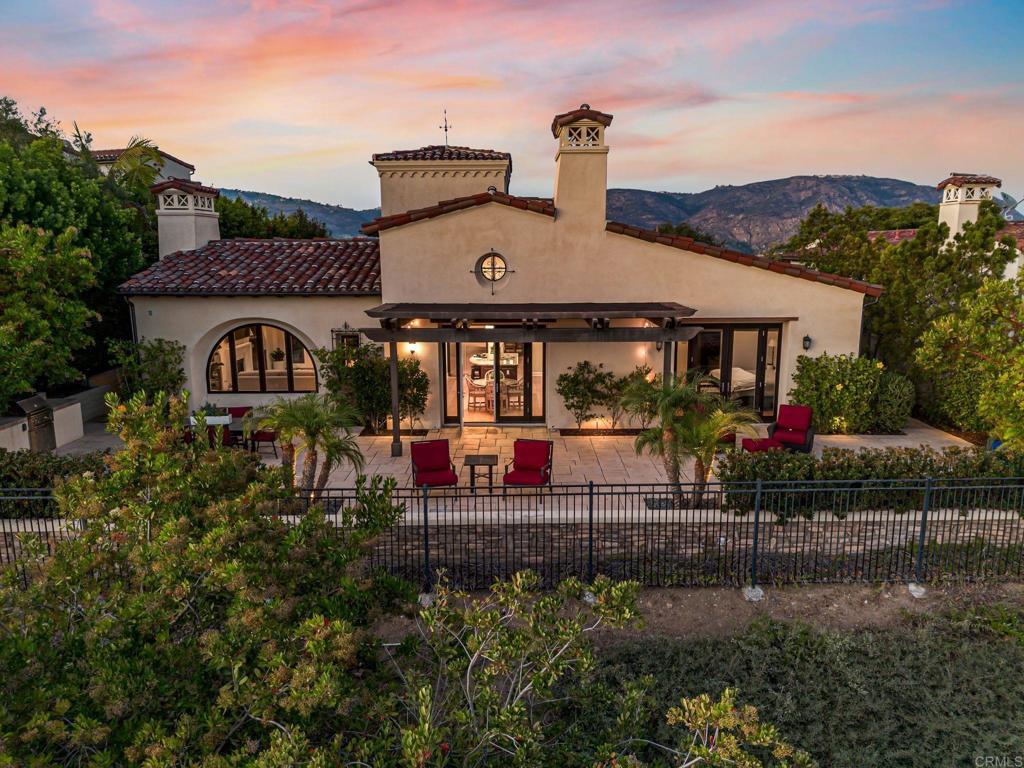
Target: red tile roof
{"x":959,"y":179}
{"x":460,"y":203}
{"x":583,"y":113}
{"x":185,"y":186}
{"x":441,"y":152}
{"x":892,"y":236}
{"x":1016,"y":230}
{"x":317,"y":267}
{"x":781,"y":267}
{"x":111,"y":155}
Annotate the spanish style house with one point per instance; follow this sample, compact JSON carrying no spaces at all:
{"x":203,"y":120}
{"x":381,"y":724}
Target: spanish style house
{"x":494,"y":293}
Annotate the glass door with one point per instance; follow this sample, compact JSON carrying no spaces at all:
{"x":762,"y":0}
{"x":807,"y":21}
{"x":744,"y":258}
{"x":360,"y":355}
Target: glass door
{"x":744,"y":363}
{"x":493,"y":382}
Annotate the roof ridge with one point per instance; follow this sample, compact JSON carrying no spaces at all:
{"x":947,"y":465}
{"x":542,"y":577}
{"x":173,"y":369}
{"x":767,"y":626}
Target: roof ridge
{"x":737,"y":257}
{"x":457,"y":204}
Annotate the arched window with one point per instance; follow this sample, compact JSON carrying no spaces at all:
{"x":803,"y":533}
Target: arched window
{"x":260,"y":358}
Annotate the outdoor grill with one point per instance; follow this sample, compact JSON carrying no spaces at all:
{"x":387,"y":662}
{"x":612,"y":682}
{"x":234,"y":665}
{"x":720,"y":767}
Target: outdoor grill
{"x":39,"y":413}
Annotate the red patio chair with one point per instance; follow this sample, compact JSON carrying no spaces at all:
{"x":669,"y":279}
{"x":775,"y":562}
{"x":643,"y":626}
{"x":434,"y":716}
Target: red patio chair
{"x":793,"y":428}
{"x":531,"y":463}
{"x":227,"y":439}
{"x":263,"y":437}
{"x":431,"y":464}
{"x":239,"y":411}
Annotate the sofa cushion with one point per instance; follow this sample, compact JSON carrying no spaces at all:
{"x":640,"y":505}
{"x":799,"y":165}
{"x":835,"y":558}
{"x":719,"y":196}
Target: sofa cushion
{"x":755,"y":445}
{"x":430,"y":456}
{"x":794,"y":417}
{"x":525,"y":477}
{"x":436,"y":477}
{"x":791,"y":436}
{"x":531,"y":454}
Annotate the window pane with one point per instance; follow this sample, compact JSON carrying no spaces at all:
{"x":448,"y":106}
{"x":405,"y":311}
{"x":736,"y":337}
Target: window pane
{"x":770,"y":373}
{"x":451,"y":383}
{"x":246,"y":360}
{"x":219,"y":374}
{"x":274,"y":364}
{"x":743,"y":374}
{"x":303,"y":371}
{"x":537,"y":380}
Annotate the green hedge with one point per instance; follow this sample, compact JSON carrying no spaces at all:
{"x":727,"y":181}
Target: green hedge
{"x":28,"y":469}
{"x":852,"y":395}
{"x":861,"y":472}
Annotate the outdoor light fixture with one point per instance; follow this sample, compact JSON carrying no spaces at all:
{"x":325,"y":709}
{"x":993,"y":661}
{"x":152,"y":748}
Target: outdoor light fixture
{"x":807,"y":342}
{"x":659,"y":345}
{"x":412,"y":347}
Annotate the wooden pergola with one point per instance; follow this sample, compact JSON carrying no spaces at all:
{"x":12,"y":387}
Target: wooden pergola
{"x":526,"y":322}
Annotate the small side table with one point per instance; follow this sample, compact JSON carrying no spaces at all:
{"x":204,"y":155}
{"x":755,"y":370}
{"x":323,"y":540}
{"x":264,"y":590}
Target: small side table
{"x":474,"y":462}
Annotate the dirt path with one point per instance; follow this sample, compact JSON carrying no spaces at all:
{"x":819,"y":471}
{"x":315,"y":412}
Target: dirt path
{"x":713,"y":612}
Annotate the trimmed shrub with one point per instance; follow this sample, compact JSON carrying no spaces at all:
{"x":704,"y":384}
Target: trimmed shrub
{"x":840,"y":389}
{"x":952,"y":400}
{"x":583,"y":390}
{"x":893,"y":403}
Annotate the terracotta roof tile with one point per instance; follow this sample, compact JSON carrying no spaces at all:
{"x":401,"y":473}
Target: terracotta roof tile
{"x":959,"y":179}
{"x":441,"y":152}
{"x":111,"y":155}
{"x":184,"y":185}
{"x":773,"y":265}
{"x":583,"y":113}
{"x":316,"y":267}
{"x":534,"y":204}
{"x":892,"y":236}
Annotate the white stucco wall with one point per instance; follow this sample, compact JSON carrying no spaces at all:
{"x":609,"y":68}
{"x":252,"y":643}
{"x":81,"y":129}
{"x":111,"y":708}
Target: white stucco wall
{"x":14,"y":434}
{"x":199,"y":323}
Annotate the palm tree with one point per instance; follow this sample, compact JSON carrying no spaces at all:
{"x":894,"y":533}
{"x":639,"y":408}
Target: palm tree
{"x":316,"y":423}
{"x":138,"y":166}
{"x":692,"y":419}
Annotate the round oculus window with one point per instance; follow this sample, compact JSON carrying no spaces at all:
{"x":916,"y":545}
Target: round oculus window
{"x":492,"y":266}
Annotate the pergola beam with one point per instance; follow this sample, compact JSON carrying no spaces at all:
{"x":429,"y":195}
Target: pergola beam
{"x":526,"y":334}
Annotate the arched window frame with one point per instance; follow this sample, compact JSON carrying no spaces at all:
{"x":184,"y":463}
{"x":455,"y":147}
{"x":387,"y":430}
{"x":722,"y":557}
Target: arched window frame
{"x":289,"y":337}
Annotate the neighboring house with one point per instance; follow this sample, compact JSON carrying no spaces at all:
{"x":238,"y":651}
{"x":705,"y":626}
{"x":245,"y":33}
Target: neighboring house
{"x":172,"y":167}
{"x":962,"y":194}
{"x":496,"y":295}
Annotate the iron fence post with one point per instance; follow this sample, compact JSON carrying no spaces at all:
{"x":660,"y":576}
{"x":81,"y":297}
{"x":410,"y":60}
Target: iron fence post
{"x":757,"y":530}
{"x":919,"y":566}
{"x":590,"y":533}
{"x":427,"y":576}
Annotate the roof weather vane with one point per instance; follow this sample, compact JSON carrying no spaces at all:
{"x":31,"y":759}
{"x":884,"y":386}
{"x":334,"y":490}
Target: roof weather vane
{"x":444,"y":127}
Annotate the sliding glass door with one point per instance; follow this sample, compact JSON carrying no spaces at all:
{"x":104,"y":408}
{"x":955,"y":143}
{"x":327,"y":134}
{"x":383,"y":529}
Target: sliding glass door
{"x":493,"y":382}
{"x":743,"y":361}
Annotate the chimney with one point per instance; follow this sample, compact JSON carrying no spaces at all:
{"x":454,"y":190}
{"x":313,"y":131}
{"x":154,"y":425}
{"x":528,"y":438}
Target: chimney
{"x":581,"y":167}
{"x":185,"y":215}
{"x":962,"y":194}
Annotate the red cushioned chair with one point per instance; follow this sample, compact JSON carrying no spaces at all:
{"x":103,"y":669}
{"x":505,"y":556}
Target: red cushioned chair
{"x":793,"y":428}
{"x":531,"y":463}
{"x":431,"y":465}
{"x":759,"y":444}
{"x":263,"y":437}
{"x":239,"y":411}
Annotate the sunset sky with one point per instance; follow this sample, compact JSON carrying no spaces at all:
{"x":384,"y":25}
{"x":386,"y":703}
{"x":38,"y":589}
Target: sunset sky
{"x":293,"y":96}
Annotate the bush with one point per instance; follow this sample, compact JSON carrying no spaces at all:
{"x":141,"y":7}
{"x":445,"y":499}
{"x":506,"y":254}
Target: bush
{"x":852,"y":395}
{"x":28,"y":469}
{"x":952,"y":400}
{"x":583,"y":390}
{"x":149,"y":365}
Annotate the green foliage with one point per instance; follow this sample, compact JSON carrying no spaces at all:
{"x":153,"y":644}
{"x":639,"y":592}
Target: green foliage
{"x":925,"y":692}
{"x":950,"y":398}
{"x":241,"y":219}
{"x":187,"y":622}
{"x":583,"y":389}
{"x":982,"y":342}
{"x":31,"y":469}
{"x":45,"y":188}
{"x":640,"y":396}
{"x":150,"y":365}
{"x":684,"y":229}
{"x":43,"y":317}
{"x":893,"y":403}
{"x":362,"y":377}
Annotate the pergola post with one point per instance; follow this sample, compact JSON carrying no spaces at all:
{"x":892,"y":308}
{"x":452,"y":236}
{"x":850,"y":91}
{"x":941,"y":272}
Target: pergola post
{"x":396,"y":422}
{"x":669,"y":348}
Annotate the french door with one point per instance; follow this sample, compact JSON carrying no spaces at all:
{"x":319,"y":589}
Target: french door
{"x":744,"y":360}
{"x":493,"y":382}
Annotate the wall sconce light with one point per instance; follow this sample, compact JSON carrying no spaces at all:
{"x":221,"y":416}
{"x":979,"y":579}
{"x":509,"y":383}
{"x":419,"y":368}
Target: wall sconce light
{"x":659,"y":345}
{"x":412,"y":347}
{"x":807,"y":342}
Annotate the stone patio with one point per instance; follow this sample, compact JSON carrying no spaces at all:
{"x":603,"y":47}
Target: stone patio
{"x":576,"y":459}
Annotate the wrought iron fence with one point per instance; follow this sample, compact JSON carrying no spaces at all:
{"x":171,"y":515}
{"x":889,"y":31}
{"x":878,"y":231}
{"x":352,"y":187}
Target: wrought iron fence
{"x":779,"y":532}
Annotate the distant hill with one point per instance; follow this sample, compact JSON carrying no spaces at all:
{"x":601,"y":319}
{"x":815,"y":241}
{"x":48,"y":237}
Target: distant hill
{"x":340,"y":221}
{"x":750,"y":217}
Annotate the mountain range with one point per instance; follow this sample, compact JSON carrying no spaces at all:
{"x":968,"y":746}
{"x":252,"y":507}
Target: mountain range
{"x":748,"y":217}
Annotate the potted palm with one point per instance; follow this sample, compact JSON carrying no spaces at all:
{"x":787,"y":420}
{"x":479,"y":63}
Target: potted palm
{"x":691,"y":422}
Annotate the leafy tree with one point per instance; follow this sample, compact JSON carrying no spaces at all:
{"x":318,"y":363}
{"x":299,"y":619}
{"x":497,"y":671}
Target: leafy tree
{"x":693,"y":419}
{"x":584,"y":389}
{"x":43,"y":318}
{"x":187,"y":622}
{"x":983,"y":341}
{"x":151,"y":365}
{"x":640,"y":396}
{"x":241,"y":219}
{"x":318,"y":424}
{"x":683,"y":229}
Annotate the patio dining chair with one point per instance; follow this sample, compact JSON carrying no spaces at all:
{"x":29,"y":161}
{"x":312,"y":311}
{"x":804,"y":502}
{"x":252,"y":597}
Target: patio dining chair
{"x":531,"y":463}
{"x":476,"y":393}
{"x":793,"y":428}
{"x":431,"y":464}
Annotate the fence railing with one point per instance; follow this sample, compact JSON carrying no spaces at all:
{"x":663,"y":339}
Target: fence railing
{"x":661,"y":535}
